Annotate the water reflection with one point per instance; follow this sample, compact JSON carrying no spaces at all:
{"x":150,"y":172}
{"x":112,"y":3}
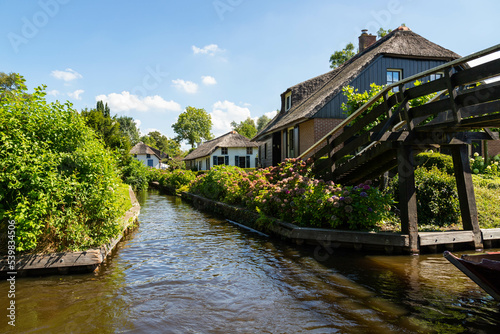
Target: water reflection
{"x":183,"y":271}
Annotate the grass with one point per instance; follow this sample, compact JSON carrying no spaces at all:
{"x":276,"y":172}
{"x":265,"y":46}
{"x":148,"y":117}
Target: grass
{"x":487,"y":191}
{"x":124,"y":198}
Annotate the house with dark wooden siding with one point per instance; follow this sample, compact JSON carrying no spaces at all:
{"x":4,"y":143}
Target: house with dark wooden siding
{"x":310,"y":109}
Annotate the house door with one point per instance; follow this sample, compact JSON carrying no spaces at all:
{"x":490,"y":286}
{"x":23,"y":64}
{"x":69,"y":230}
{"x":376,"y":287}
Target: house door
{"x":276,"y":148}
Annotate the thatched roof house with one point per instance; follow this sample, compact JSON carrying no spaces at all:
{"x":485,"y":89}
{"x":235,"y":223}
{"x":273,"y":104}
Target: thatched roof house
{"x":229,"y":149}
{"x":150,"y":156}
{"x":313,"y":107}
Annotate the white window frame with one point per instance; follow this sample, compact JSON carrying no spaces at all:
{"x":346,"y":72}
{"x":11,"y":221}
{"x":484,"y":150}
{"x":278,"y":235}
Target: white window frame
{"x":400,"y":71}
{"x":288,"y":101}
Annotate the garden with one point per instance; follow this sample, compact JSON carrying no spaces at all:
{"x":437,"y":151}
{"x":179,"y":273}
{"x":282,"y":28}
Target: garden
{"x":290,"y":192}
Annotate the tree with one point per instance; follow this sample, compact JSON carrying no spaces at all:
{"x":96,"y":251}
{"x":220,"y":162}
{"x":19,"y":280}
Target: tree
{"x":340,"y":57}
{"x":106,"y":127}
{"x":262,"y":121}
{"x":129,"y":129}
{"x":163,"y":143}
{"x":11,"y":82}
{"x":382,"y":32}
{"x":193,"y":125}
{"x":245,"y":128}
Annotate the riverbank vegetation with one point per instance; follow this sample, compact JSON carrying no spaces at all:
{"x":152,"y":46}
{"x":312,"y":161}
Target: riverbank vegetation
{"x":58,"y":181}
{"x":290,"y":192}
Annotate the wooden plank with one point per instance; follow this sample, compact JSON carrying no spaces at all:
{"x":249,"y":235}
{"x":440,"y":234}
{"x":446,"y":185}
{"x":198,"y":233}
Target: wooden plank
{"x":367,"y":238}
{"x":426,"y":88}
{"x":465,"y":188}
{"x":442,"y":238}
{"x":491,"y":233}
{"x":477,"y":73}
{"x":480,"y":109}
{"x":408,"y":195}
{"x":480,"y":94}
{"x":367,"y":156}
{"x":431,"y":108}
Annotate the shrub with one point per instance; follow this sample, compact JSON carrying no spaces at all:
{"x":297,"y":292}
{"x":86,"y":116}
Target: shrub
{"x":136,"y":174}
{"x":437,"y":198}
{"x":443,"y":162}
{"x":57,"y":181}
{"x":479,"y":165}
{"x":177,"y":180}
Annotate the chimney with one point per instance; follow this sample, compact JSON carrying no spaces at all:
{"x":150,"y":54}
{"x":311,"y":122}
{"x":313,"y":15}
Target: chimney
{"x":365,"y":40}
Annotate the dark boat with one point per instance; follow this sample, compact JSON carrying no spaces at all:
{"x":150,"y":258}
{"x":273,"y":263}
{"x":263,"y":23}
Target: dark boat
{"x":483,"y":269}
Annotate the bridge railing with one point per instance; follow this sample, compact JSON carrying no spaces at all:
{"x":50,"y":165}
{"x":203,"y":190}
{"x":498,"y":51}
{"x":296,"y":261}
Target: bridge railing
{"x":454,"y":108}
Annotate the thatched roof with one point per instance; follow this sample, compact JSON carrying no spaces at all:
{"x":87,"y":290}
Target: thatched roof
{"x":141,"y":148}
{"x":310,"y":96}
{"x":230,"y":139}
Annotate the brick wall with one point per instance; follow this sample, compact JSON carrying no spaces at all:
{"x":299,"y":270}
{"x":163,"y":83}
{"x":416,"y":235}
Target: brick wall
{"x":321,"y":127}
{"x":493,"y":147}
{"x":306,"y":135}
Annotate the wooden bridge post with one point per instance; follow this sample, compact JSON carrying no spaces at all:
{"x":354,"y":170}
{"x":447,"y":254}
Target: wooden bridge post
{"x":408,"y":195}
{"x":465,"y":188}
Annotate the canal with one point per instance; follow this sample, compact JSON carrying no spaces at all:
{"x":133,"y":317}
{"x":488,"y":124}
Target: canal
{"x":184,"y":271}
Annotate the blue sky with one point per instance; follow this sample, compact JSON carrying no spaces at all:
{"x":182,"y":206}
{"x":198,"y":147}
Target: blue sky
{"x":151,"y":59}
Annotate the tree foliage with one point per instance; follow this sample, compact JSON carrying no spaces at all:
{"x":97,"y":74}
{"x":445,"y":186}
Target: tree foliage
{"x":193,"y":125}
{"x":262,"y":121}
{"x":106,"y":127}
{"x":245,"y":128}
{"x":10,"y":82}
{"x":163,"y":143}
{"x":340,"y":57}
{"x":57,"y":180}
{"x":129,"y":129}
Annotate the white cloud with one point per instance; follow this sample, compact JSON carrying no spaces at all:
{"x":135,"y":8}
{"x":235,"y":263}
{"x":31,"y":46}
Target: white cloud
{"x":66,"y":75}
{"x":137,"y":123}
{"x":211,"y":49}
{"x":76,"y":94}
{"x":223,"y":113}
{"x":208,"y":80}
{"x":271,"y":114}
{"x":148,"y":130}
{"x":187,"y":86}
{"x":126,"y":102}
{"x":53,"y":92}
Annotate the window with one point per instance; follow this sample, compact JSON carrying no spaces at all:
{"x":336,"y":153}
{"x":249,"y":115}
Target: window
{"x":288,"y":101}
{"x":265,"y":151}
{"x":148,"y":156}
{"x":249,"y":150}
{"x":207,"y":163}
{"x":436,"y":76}
{"x":150,"y":162}
{"x":394,"y":76}
{"x":221,"y":160}
{"x":223,"y":150}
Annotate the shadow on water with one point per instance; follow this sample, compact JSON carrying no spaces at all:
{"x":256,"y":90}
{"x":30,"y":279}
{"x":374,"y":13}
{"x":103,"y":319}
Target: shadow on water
{"x":184,"y":271}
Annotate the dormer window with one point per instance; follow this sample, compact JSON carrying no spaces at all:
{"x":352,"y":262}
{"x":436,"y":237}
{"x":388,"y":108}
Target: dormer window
{"x":288,"y":101}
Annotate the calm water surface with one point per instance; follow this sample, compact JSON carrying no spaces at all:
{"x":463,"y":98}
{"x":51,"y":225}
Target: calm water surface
{"x":183,"y":271}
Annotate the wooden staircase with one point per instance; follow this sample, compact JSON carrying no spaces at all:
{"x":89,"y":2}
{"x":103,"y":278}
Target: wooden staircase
{"x":464,"y":109}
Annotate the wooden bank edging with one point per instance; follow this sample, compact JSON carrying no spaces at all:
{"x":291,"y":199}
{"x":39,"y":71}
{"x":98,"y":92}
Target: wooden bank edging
{"x":70,"y":262}
{"x":330,"y":238}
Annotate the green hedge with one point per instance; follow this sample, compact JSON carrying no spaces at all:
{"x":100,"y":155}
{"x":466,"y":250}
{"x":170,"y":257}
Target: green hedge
{"x":57,"y":181}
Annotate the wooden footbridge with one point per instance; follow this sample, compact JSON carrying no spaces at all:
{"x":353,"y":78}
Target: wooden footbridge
{"x":387,"y":132}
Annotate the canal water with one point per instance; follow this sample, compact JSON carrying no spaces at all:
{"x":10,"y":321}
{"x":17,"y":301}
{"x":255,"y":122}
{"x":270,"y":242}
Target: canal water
{"x":184,"y":271}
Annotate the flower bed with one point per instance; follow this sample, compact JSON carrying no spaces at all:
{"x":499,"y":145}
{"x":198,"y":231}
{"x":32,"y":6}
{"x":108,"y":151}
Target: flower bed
{"x":290,"y":192}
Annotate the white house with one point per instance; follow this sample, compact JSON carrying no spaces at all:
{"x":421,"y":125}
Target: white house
{"x":149,"y":156}
{"x":230,"y":149}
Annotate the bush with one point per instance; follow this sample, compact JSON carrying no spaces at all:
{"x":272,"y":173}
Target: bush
{"x":479,"y":165}
{"x":437,"y":198}
{"x":177,"y":180}
{"x":136,"y":174}
{"x":57,"y":181}
{"x":289,"y":192}
{"x":443,"y":162}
